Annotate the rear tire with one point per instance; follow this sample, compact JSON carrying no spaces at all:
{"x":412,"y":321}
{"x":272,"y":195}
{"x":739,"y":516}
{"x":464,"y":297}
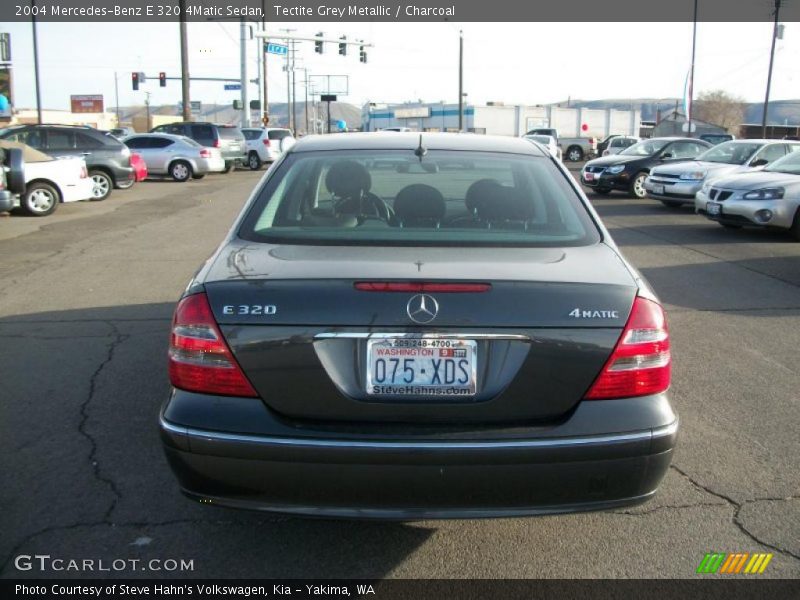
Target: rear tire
{"x":198,"y":175}
{"x":229,"y":166}
{"x":575,"y":153}
{"x":253,"y":161}
{"x":180,"y":171}
{"x":40,"y":199}
{"x":126,"y":184}
{"x":672,"y":203}
{"x":102,"y":185}
{"x":601,"y":191}
{"x":636,"y":188}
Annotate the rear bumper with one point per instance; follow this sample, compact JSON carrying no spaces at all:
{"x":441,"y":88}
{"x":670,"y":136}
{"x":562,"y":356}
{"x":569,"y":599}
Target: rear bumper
{"x":554,"y":470}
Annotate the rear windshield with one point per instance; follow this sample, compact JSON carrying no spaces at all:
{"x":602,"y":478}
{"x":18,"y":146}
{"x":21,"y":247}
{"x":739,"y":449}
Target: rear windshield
{"x":391,"y":197}
{"x":252,"y":134}
{"x":278,"y":134}
{"x":230,"y":132}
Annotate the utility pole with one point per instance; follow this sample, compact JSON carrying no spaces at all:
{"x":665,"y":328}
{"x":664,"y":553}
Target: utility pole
{"x":691,"y":74}
{"x":185,"y":96}
{"x":147,"y":109}
{"x":36,"y":64}
{"x":293,"y":51}
{"x":288,"y":85}
{"x":769,"y":76}
{"x":245,"y":120}
{"x":116,"y":97}
{"x":305,"y":105}
{"x":460,"y":80}
{"x":263,"y":55}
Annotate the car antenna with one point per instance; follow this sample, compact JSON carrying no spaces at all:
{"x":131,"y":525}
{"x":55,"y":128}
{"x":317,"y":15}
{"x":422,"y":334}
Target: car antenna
{"x":421,"y":150}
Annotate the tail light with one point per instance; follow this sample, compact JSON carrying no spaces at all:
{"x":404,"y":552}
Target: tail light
{"x":205,"y":153}
{"x":84,"y":172}
{"x":640,"y":363}
{"x":199,"y":358}
{"x":266,"y":142}
{"x":217,"y":143}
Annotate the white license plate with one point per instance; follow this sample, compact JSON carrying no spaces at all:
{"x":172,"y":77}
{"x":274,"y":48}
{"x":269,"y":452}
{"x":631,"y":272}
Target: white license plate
{"x":658,"y":188}
{"x":713,"y":208}
{"x":430,"y":366}
{"x":588,"y":176}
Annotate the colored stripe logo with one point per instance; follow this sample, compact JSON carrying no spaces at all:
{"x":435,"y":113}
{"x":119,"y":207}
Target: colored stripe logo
{"x":734,"y":563}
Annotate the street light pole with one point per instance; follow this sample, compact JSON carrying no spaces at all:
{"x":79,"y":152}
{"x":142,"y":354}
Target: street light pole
{"x":689,"y":109}
{"x":36,"y":64}
{"x":185,"y":96}
{"x":769,"y":76}
{"x":460,"y":80}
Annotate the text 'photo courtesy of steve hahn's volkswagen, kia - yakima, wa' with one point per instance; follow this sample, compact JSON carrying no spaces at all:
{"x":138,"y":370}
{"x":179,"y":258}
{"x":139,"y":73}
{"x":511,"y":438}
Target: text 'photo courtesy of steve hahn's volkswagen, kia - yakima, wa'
{"x":406,"y":325}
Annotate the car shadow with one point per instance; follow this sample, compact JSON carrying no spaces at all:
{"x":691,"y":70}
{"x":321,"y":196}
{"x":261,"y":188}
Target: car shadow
{"x":86,"y":475}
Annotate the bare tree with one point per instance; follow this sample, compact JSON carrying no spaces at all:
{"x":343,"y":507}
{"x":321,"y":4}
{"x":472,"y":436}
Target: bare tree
{"x":720,"y":108}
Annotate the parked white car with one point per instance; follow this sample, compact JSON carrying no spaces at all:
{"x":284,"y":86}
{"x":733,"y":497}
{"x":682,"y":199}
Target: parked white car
{"x":50,"y":181}
{"x":265,"y":145}
{"x":548,"y":141}
{"x":619,"y":143}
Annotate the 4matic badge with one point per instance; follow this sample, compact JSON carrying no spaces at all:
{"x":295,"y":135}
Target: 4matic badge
{"x":582,"y":313}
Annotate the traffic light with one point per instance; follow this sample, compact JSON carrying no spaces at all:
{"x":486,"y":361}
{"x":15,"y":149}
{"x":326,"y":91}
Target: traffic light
{"x":318,"y":43}
{"x":135,"y":81}
{"x":237,"y":105}
{"x":343,"y":46}
{"x":162,"y":79}
{"x":255,"y":104}
{"x":362,"y":54}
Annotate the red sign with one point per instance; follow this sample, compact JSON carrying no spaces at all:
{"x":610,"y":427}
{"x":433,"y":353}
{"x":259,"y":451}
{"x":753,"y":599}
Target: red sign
{"x":89,"y":103}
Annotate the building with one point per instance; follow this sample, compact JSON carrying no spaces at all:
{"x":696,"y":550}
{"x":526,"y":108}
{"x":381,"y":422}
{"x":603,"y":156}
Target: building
{"x":29,"y":116}
{"x":675,"y":124}
{"x":496,"y":118}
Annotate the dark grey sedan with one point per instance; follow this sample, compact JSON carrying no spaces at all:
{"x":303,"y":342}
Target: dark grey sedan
{"x":418,"y":326}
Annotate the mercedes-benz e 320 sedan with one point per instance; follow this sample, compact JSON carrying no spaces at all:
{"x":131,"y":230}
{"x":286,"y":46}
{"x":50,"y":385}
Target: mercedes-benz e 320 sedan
{"x":413,"y":326}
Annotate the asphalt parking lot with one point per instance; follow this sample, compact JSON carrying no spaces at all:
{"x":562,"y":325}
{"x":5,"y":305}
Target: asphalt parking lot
{"x":85,"y":304}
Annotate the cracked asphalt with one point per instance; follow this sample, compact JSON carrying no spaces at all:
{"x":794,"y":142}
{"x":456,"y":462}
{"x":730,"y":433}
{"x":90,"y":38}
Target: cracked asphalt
{"x":85,"y":303}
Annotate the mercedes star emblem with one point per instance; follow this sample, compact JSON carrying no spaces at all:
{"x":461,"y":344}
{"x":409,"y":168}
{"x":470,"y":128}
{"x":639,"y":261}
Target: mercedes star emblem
{"x":422,"y":308}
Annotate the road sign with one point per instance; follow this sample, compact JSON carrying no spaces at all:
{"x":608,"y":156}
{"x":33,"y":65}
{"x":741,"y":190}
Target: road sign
{"x":196,"y":106}
{"x":328,"y":98}
{"x":86,"y":103}
{"x":229,"y":87}
{"x":279,"y":49}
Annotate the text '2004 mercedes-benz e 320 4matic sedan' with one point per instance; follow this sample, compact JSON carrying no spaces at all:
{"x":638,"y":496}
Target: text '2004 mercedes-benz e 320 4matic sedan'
{"x":414,"y":326}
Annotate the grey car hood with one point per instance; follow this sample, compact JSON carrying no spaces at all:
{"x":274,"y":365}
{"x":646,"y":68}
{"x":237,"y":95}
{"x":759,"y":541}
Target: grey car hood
{"x":712,"y":169}
{"x":754,"y":180}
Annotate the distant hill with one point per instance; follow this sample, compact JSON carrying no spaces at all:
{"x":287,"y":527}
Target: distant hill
{"x":780,"y":111}
{"x":225,"y":114}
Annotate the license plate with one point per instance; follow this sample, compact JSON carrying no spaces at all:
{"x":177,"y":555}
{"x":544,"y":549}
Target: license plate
{"x":437,"y":367}
{"x":588,"y":176}
{"x":713,"y":208}
{"x":658,"y":188}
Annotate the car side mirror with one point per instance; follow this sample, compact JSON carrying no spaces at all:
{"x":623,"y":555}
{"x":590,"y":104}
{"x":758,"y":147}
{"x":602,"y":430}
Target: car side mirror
{"x":6,"y":201}
{"x":759,"y":162}
{"x":666,"y":155}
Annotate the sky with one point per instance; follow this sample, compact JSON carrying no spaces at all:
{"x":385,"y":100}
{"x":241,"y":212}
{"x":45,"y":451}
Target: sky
{"x":526,"y":63}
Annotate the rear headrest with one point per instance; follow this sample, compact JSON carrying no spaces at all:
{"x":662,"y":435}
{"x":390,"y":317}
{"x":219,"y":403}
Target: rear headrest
{"x":481,"y":191}
{"x":507,"y":204}
{"x":348,"y":179}
{"x":419,"y":201}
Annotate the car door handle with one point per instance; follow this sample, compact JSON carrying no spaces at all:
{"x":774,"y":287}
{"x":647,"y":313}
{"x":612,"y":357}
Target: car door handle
{"x":86,"y":153}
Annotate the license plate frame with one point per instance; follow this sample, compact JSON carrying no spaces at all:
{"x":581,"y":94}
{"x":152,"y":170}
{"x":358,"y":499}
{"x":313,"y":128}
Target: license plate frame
{"x":427,"y":379}
{"x":658,"y":188}
{"x":714,"y":208}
